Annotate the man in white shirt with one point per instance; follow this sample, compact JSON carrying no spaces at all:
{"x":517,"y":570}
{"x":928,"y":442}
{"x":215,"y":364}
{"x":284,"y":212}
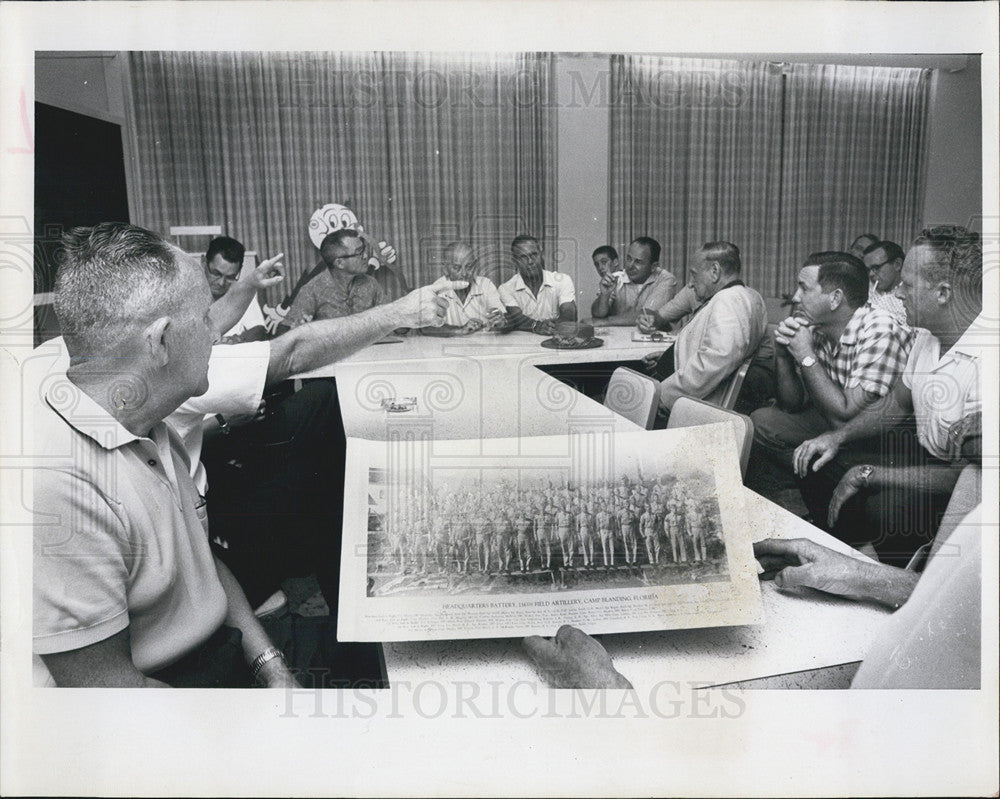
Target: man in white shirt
{"x":725,"y":330}
{"x":223,"y":267}
{"x":884,"y":261}
{"x":535,"y":298}
{"x":898,"y":505}
{"x":472,"y":308}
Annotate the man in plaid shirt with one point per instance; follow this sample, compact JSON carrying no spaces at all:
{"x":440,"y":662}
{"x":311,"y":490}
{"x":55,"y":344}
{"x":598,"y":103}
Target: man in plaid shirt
{"x":834,"y":357}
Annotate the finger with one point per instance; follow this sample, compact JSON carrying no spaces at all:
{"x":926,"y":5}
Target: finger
{"x":540,"y":650}
{"x":274,"y":260}
{"x":791,"y":550}
{"x":267,"y":282}
{"x":799,"y":458}
{"x":825,"y":457}
{"x":792,"y":577}
{"x":445,"y":285}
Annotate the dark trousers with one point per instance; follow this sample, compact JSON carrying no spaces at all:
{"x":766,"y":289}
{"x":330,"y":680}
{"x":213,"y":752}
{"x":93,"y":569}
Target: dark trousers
{"x":896,"y":521}
{"x":276,"y":493}
{"x":311,"y":651}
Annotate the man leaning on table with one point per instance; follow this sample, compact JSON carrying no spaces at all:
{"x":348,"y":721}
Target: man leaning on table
{"x":725,"y":330}
{"x":536,"y":298}
{"x":472,"y":308}
{"x":119,"y":517}
{"x":619,"y":302}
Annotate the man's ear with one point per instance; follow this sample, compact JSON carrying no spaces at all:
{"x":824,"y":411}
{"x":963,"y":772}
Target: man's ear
{"x":836,"y":299}
{"x":943,"y":293}
{"x":155,"y":339}
{"x":716,"y":272}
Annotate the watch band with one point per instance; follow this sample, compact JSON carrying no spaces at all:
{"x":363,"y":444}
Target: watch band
{"x":264,"y":657}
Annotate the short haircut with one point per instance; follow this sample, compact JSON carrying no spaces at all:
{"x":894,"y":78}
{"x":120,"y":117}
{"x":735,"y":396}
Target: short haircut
{"x":522,"y":238}
{"x":959,"y":259}
{"x":841,"y":270}
{"x":652,"y":245}
{"x":112,"y":277}
{"x":230,"y":250}
{"x":335,"y":239}
{"x":724,"y":253}
{"x":453,"y":247}
{"x":871,"y":236}
{"x":605,"y":249}
{"x":892,"y":250}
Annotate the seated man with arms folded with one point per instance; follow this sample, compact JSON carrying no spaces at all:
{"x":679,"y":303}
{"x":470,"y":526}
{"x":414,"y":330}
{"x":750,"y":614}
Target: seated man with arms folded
{"x":724,"y":332}
{"x":883,"y":494}
{"x":536,"y":298}
{"x":837,"y":355}
{"x":646,"y":286}
{"x":120,"y":519}
{"x":472,"y":308}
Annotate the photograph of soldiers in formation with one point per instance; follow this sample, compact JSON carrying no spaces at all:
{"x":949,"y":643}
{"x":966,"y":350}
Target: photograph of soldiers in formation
{"x":506,"y":531}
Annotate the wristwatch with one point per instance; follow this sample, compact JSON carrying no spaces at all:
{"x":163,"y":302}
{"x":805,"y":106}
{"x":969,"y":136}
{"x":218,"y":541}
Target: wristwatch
{"x":807,"y":361}
{"x":865,"y":474}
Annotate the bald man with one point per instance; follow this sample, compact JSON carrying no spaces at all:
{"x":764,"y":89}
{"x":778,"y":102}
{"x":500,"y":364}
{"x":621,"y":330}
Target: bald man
{"x":470,"y":309}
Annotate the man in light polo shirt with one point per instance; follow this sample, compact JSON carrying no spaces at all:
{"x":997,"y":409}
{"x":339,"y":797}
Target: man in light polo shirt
{"x":900,"y":505}
{"x":647,"y":286}
{"x":535,"y":298}
{"x":126,"y":590}
{"x":472,"y":308}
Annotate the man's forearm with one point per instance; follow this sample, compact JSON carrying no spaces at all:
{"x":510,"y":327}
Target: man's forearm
{"x":626,"y":319}
{"x":935,"y":478}
{"x":230,"y":307}
{"x":327,"y":341}
{"x":791,"y":395}
{"x":518,"y":320}
{"x":601,"y":307}
{"x":240,"y":614}
{"x":826,"y":395}
{"x":887,"y":585}
{"x":874,"y":418}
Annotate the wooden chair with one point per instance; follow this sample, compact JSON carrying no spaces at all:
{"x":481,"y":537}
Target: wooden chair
{"x":634,"y":395}
{"x":688,"y":412}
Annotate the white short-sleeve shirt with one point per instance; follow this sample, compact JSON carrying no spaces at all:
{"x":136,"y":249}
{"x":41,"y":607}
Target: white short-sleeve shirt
{"x":482,"y":298}
{"x":945,"y":387}
{"x":236,"y":377}
{"x":556,"y":289}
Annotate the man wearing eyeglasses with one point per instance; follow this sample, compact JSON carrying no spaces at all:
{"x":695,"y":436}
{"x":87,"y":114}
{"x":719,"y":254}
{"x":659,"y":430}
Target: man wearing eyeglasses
{"x":884,"y":261}
{"x":345,"y":288}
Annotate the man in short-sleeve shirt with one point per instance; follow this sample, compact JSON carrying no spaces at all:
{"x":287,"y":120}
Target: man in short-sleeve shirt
{"x":833,"y":358}
{"x":647,"y":286}
{"x":345,"y":287}
{"x":535,"y":297}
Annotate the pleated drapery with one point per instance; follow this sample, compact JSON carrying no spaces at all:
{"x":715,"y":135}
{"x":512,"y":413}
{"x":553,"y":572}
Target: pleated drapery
{"x":424,"y":148}
{"x":780,"y":159}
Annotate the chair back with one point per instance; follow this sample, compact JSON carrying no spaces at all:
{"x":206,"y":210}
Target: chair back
{"x":689,"y":412}
{"x":634,"y":395}
{"x":732,"y":392}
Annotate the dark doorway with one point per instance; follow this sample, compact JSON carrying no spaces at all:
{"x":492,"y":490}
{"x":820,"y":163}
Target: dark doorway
{"x":79,"y":180}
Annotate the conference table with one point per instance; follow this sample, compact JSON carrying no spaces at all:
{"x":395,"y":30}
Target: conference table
{"x":493,"y":388}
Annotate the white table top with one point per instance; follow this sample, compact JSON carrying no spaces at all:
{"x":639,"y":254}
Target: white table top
{"x":485,"y":386}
